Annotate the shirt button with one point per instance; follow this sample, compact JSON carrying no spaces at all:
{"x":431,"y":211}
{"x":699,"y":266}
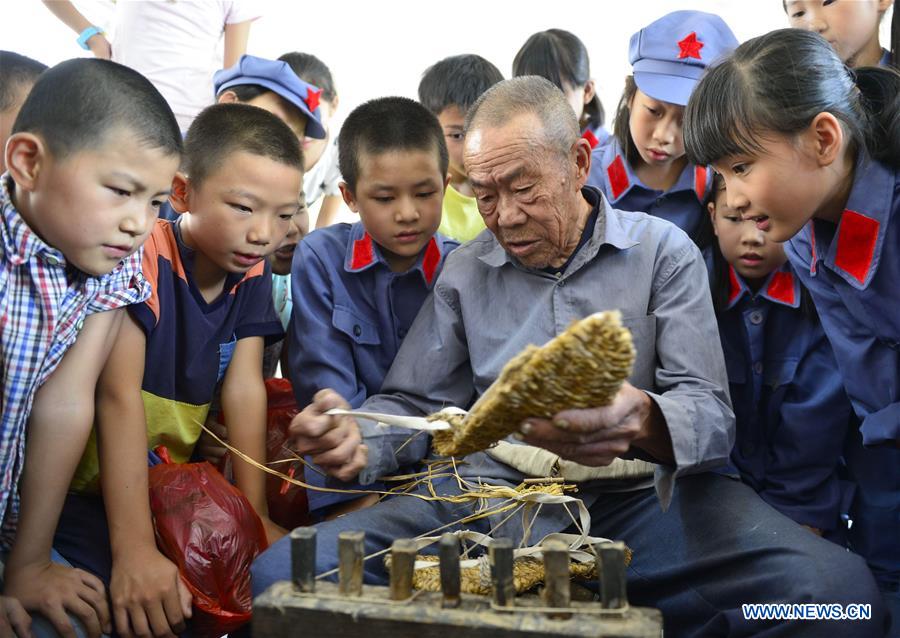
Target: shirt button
{"x":756,"y":317}
{"x":79,"y":324}
{"x":357,"y":330}
{"x":660,"y":200}
{"x":401,"y":333}
{"x":758,"y":367}
{"x":53,"y":260}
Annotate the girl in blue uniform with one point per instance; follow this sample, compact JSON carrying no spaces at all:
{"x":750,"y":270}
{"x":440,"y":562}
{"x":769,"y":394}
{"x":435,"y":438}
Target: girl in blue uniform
{"x":788,"y":397}
{"x":809,"y":151}
{"x":643,"y":166}
{"x":562,"y":58}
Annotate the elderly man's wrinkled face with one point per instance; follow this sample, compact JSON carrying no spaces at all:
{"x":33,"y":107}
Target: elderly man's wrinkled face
{"x":529,"y":196}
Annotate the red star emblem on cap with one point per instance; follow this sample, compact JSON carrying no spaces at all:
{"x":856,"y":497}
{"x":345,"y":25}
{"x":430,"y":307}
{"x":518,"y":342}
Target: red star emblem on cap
{"x":312,"y":98}
{"x":690,"y":47}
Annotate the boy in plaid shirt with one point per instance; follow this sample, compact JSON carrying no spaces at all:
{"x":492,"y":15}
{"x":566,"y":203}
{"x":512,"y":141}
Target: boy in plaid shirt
{"x":90,"y":159}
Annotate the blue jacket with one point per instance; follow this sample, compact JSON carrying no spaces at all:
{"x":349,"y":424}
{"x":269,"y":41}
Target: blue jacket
{"x":350,"y":314}
{"x":852,"y":271}
{"x":682,"y":204}
{"x":789,"y":400}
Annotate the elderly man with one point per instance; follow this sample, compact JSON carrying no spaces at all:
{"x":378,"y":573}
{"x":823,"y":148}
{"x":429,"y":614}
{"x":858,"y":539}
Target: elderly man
{"x":555,"y":251}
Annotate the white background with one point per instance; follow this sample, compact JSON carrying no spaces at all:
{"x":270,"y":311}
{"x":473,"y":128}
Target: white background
{"x":382,"y":48}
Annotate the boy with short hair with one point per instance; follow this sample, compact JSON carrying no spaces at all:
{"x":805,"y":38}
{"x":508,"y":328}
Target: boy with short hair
{"x":19,"y":75}
{"x":91,"y":157}
{"x":357,"y":288}
{"x":448,"y":89}
{"x":205,"y":323}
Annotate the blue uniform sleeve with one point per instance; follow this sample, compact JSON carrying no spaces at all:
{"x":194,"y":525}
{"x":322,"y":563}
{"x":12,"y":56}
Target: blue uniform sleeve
{"x":801,"y":478}
{"x":320,"y":355}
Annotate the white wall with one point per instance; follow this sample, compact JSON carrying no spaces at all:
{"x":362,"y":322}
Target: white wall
{"x":381,"y":48}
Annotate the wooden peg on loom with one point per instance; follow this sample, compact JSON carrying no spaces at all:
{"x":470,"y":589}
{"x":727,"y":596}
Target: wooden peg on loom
{"x":611,"y":569}
{"x":500,"y":554}
{"x":403,"y":560}
{"x":557,"y":592}
{"x":303,"y":559}
{"x":450,"y":571}
{"x":350,"y":562}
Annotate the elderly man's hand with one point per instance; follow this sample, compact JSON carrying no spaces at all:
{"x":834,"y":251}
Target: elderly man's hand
{"x":333,"y":442}
{"x":596,"y":436}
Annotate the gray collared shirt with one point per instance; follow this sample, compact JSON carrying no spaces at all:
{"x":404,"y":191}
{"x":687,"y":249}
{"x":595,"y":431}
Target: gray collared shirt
{"x":486,"y":307}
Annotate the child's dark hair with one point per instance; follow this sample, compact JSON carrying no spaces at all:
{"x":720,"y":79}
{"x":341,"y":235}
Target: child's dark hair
{"x":622,"y":123}
{"x":223,"y":129}
{"x":560,"y":57}
{"x":719,"y":277}
{"x":76,"y":103}
{"x":312,"y":70}
{"x":779,"y":82}
{"x":18,"y":72}
{"x":457,"y":81}
{"x":388,"y":124}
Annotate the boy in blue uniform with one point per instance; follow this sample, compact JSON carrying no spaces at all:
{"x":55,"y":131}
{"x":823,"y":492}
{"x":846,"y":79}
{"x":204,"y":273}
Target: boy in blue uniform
{"x":357,"y":288}
{"x":448,"y":88}
{"x":643,"y":166}
{"x":811,"y":154}
{"x":789,"y":402}
{"x":205,"y":323}
{"x":90,"y":159}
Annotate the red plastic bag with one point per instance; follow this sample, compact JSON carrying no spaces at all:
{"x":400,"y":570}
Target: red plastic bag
{"x":211,"y":532}
{"x":288,"y":505}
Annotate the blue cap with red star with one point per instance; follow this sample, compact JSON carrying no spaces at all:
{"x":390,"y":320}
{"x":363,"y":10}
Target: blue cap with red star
{"x":669,"y":55}
{"x":278,"y":77}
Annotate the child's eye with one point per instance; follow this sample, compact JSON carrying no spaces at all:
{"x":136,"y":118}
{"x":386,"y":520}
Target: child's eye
{"x":653,"y":111}
{"x":386,"y":199}
{"x":287,"y":217}
{"x":241,"y":208}
{"x":828,"y":2}
{"x":156,"y":203}
{"x":121,"y":192}
{"x":739,"y":169}
{"x":456,"y":137}
{"x":425,"y":195}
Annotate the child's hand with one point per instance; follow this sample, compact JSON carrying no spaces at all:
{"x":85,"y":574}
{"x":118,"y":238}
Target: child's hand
{"x":208,"y":447}
{"x":56,"y":590}
{"x":14,"y":620}
{"x":333,"y":442}
{"x":274,"y":531}
{"x":148,"y":596}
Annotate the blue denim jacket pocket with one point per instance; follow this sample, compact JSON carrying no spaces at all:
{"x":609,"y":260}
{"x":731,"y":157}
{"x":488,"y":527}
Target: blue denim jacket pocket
{"x":359,"y":330}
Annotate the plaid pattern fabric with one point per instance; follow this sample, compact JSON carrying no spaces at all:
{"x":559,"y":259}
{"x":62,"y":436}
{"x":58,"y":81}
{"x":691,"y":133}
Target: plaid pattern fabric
{"x":43,"y":303}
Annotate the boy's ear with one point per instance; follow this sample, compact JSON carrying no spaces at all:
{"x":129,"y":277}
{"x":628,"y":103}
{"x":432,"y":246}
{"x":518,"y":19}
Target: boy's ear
{"x":227,"y":97}
{"x":26,"y":155}
{"x":349,"y":199}
{"x":179,"y":197}
{"x":446,"y":181}
{"x":827,"y":137}
{"x":590,"y":90}
{"x":712,"y":217}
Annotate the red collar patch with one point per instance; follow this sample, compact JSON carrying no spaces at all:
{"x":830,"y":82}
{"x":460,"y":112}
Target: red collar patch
{"x":591,"y":138}
{"x":781,"y":288}
{"x":312,"y":98}
{"x":812,"y":246}
{"x":618,"y":177}
{"x":690,"y":47}
{"x":363,"y":253}
{"x":856,"y":240}
{"x":431,"y":260}
{"x":700,"y":174}
{"x":736,"y":289}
